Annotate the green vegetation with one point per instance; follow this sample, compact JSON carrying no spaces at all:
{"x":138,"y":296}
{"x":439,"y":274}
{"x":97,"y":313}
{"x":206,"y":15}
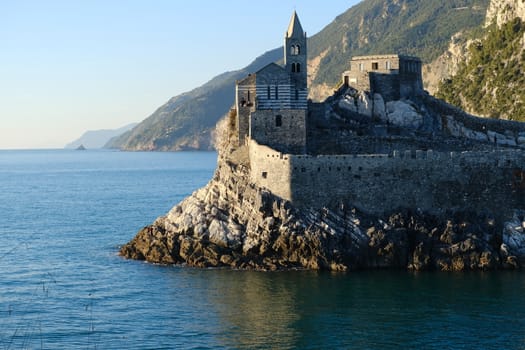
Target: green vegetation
{"x":492,"y":81}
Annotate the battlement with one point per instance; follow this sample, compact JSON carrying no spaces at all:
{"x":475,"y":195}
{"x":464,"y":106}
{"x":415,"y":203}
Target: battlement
{"x":376,"y":183}
{"x":293,"y":145}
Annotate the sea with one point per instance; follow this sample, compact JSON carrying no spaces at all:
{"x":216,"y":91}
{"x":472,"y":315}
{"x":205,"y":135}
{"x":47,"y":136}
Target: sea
{"x":64,"y":214}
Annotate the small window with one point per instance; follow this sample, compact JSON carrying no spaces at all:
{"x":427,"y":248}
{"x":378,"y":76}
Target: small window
{"x":268,"y":93}
{"x":388,"y":65}
{"x":295,"y":50}
{"x":293,"y":67}
{"x":248,"y":95}
{"x":278,"y":120}
{"x":276,"y":92}
{"x":264,"y":174}
{"x":361,"y":67}
{"x":298,"y":68}
{"x":375,"y":66}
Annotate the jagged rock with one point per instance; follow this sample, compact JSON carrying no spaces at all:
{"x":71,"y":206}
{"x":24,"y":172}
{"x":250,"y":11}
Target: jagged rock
{"x":503,"y":11}
{"x":364,"y":104}
{"x":379,"y":108}
{"x":514,"y":235}
{"x":402,"y":114}
{"x":348,"y":103}
{"x":266,"y":232}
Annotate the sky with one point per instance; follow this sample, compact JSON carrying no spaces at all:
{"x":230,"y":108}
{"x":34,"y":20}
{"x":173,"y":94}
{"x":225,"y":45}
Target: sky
{"x":68,"y":66}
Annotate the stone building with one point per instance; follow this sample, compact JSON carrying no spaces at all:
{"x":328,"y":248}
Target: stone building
{"x":322,"y":154}
{"x":272,"y":102}
{"x":392,"y":76}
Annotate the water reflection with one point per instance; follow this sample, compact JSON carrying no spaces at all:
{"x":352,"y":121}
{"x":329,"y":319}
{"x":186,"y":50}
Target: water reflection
{"x":366,"y":310}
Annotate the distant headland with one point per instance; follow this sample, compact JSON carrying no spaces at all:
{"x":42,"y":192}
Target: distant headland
{"x":379,"y":175}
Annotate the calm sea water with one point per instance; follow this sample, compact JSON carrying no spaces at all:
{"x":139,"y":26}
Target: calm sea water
{"x":63,"y":215}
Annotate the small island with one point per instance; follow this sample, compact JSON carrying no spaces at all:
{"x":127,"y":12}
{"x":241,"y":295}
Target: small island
{"x":379,"y":175}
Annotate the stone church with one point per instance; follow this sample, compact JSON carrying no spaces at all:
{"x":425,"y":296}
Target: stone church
{"x":272,"y":103}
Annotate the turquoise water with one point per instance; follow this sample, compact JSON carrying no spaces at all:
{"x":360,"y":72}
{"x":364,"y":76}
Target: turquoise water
{"x":63,"y":215}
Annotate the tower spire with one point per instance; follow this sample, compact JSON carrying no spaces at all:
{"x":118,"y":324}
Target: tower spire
{"x":294,"y":28}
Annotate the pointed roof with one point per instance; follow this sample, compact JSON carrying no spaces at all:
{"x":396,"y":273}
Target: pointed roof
{"x":294,"y":28}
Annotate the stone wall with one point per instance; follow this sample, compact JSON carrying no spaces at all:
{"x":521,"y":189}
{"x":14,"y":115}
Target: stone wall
{"x":284,"y":130}
{"x":460,"y":123}
{"x":270,"y":169}
{"x":430,"y":181}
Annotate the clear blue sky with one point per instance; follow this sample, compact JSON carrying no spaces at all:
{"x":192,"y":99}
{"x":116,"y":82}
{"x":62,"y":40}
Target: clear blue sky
{"x":68,"y":66}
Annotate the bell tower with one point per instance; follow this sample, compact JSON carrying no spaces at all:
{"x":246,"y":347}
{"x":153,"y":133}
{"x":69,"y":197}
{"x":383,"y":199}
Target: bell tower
{"x":295,"y":53}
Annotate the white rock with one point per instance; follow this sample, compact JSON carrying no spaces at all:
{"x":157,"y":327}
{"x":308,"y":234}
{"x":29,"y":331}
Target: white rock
{"x":218,"y":233}
{"x":454,"y":127}
{"x":473,"y":135}
{"x":514,"y":235}
{"x":364,"y":105}
{"x":402,"y":114}
{"x":348,"y":103}
{"x":379,"y":111}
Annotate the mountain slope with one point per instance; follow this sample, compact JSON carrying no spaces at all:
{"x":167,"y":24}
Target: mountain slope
{"x":98,"y":138}
{"x":416,"y":27}
{"x":491,"y":82}
{"x":186,"y":120}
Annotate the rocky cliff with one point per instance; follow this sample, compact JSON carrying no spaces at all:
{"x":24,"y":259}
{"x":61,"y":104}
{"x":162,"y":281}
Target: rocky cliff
{"x":503,"y":11}
{"x":233,"y":223}
{"x":487,"y":69}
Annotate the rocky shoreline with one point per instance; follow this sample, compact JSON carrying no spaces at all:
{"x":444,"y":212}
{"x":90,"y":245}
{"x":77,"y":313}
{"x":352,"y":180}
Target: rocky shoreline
{"x":232,"y":223}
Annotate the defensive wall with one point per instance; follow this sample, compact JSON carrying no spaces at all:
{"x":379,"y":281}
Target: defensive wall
{"x":431,"y":181}
{"x":474,"y":123}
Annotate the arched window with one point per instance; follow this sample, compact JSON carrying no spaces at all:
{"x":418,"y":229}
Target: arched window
{"x":298,"y":68}
{"x":292,"y":50}
{"x":297,"y":49}
{"x":278,"y":120}
{"x":293,"y":67}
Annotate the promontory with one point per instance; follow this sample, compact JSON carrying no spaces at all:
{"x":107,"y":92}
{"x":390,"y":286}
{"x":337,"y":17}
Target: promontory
{"x":379,"y":175}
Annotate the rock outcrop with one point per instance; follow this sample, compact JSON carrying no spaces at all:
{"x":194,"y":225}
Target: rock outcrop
{"x":503,"y":11}
{"x":232,"y":223}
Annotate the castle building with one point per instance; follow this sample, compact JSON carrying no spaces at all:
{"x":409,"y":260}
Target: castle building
{"x":431,"y":155}
{"x":272,"y":102}
{"x":392,"y":76}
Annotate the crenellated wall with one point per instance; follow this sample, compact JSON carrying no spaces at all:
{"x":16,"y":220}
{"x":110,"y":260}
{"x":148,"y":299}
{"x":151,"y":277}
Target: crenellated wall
{"x":431,"y":181}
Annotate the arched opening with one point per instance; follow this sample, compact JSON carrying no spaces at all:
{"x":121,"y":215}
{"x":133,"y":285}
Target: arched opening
{"x":297,"y":49}
{"x":298,"y":68}
{"x":293,"y":67}
{"x":278,"y":120}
